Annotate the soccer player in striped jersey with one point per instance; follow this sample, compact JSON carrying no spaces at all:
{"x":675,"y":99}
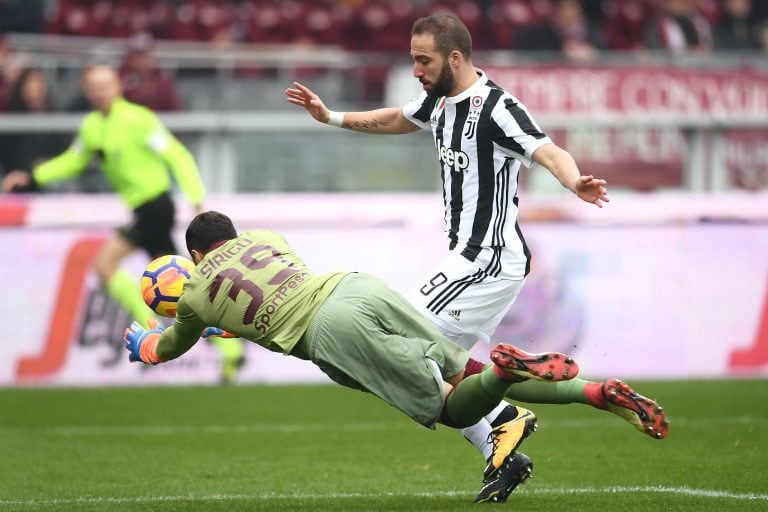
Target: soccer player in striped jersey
{"x":482,"y":135}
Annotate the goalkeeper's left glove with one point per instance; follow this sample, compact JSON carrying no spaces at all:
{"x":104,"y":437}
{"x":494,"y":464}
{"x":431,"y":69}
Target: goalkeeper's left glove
{"x":142,"y":343}
{"x":217,"y":333}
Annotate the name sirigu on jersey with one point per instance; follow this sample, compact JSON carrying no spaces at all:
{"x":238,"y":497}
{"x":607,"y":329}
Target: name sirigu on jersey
{"x":217,"y":259}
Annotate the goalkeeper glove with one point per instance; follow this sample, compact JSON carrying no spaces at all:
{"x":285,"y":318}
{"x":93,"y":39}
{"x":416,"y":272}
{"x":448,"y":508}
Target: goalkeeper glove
{"x":142,"y":343}
{"x":217,"y":333}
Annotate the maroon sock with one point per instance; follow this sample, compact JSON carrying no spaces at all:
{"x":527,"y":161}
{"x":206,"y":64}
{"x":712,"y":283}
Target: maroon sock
{"x":593,"y":391}
{"x":473,"y":367}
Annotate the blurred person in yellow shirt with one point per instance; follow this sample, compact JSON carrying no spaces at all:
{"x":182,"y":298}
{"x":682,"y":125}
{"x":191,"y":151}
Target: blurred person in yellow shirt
{"x":135,"y":152}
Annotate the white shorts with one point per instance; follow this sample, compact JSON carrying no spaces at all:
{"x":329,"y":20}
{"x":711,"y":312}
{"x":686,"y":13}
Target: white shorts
{"x":462,"y":300}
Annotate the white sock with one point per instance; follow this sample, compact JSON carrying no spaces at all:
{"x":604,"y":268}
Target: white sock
{"x":478,"y":434}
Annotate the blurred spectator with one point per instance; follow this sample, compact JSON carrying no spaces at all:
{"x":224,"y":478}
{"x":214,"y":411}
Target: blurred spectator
{"x":505,"y":17}
{"x":325,"y":22}
{"x":737,"y":29}
{"x":383,"y":25}
{"x":217,"y":21}
{"x":11,"y":65}
{"x":469,"y":12}
{"x":271,"y":21}
{"x":22,"y":16}
{"x":30,"y":94}
{"x":105,"y":18}
{"x":712,"y":10}
{"x":567,"y":31}
{"x":159,"y":14}
{"x":129,"y":17}
{"x":594,"y":10}
{"x":183,"y":24}
{"x":5,"y":82}
{"x":625,"y":22}
{"x":142,"y":81}
{"x":125,"y":19}
{"x":81,"y":18}
{"x":679,"y":28}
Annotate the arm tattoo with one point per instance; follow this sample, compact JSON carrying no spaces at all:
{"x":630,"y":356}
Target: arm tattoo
{"x":368,"y":125}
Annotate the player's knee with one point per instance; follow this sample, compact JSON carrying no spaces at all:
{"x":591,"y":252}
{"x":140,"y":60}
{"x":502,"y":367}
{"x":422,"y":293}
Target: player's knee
{"x":448,"y":421}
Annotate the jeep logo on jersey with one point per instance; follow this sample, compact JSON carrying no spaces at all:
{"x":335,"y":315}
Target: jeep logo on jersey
{"x":456,"y":159}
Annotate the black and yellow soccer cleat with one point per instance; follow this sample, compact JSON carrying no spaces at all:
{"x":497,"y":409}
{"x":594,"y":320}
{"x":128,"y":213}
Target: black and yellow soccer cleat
{"x":515,"y":470}
{"x":506,"y":438}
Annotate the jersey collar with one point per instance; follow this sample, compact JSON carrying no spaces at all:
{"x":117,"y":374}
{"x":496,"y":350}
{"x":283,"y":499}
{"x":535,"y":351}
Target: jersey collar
{"x":473,"y":89}
{"x":216,"y":245}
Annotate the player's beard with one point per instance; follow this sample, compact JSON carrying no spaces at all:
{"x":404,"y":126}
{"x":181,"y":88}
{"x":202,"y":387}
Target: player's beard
{"x":445,"y":82}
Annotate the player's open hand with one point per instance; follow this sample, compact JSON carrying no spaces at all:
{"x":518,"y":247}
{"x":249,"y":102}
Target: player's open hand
{"x":16,"y":180}
{"x":304,"y":97}
{"x":592,"y":190}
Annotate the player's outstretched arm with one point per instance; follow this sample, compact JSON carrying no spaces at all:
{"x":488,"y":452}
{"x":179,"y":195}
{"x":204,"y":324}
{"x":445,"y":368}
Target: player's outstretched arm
{"x":16,"y":180}
{"x":388,"y":120}
{"x":563,"y":167}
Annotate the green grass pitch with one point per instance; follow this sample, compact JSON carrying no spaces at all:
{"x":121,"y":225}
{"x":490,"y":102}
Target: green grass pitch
{"x":326,"y":448}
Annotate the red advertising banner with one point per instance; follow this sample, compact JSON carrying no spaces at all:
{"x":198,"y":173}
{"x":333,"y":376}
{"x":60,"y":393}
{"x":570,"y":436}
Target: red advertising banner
{"x":644,"y":156}
{"x":554,"y":90}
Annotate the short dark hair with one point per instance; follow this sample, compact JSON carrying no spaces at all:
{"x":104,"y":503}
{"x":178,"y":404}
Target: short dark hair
{"x":206,"y":229}
{"x":449,"y":32}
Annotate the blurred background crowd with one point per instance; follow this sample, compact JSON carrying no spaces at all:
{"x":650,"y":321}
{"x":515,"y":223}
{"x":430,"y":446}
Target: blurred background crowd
{"x":384,"y":25}
{"x":234,"y":55}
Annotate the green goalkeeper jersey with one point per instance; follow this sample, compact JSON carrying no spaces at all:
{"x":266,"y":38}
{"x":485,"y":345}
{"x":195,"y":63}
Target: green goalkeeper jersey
{"x":136,"y":151}
{"x":254,"y":286}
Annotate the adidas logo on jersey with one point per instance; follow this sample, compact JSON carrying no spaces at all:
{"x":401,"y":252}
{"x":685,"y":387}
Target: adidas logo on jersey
{"x":455,"y":314}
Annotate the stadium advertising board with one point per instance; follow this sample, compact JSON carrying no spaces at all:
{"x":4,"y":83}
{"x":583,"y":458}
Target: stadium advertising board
{"x":647,"y":157}
{"x":635,"y":298}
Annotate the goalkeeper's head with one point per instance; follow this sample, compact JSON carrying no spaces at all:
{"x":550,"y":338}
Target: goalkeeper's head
{"x":207,"y":231}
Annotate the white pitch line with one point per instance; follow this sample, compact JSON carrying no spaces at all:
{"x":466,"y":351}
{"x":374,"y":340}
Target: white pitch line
{"x":682,"y":491}
{"x":656,"y":489}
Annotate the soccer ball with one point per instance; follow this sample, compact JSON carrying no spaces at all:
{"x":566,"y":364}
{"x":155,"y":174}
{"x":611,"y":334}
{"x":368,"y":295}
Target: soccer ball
{"x":163,"y":282}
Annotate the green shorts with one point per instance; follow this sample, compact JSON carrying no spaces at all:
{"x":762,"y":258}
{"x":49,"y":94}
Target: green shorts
{"x":367,"y":336}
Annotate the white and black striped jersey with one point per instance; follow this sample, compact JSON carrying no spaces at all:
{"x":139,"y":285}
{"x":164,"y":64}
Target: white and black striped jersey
{"x":482,"y":136}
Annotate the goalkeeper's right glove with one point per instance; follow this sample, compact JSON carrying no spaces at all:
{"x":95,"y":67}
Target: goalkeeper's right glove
{"x":142,"y":343}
